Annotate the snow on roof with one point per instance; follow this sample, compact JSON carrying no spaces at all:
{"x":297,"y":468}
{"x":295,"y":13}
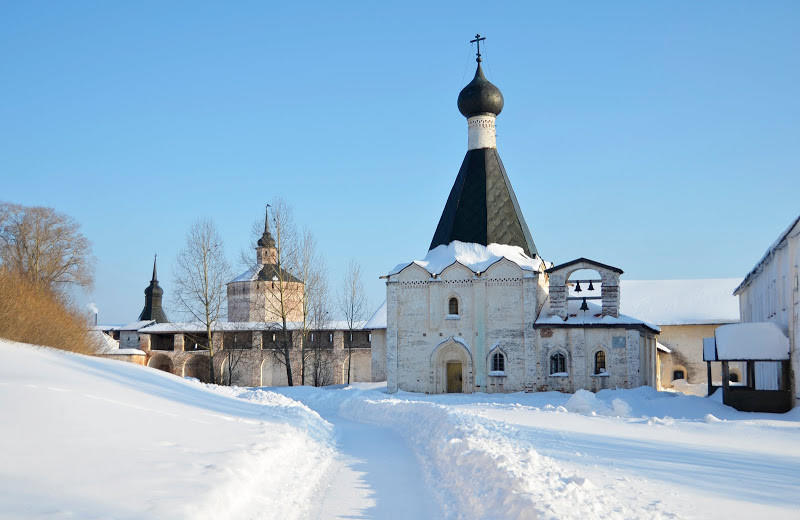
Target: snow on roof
{"x":680,"y":302}
{"x":104,"y":342}
{"x":378,"y":319}
{"x":234,"y":326}
{"x":775,"y":245}
{"x":124,"y":352}
{"x":476,"y":257}
{"x":577,"y":317}
{"x":662,"y":348}
{"x":749,"y":341}
{"x":249,"y":275}
{"x":136,"y":325}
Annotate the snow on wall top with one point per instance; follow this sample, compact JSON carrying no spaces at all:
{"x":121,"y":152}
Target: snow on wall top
{"x":752,"y":340}
{"x":680,"y":302}
{"x":378,"y":319}
{"x":593,"y":316}
{"x":234,"y":326}
{"x":136,"y":325}
{"x":476,"y":257}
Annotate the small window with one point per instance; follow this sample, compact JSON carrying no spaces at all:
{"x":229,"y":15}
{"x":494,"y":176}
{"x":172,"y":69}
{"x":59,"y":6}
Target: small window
{"x":452,"y":306}
{"x":558,"y":363}
{"x":369,"y":337}
{"x":733,"y":377}
{"x":600,"y":362}
{"x":678,"y":374}
{"x":498,"y":362}
{"x":330,"y":338}
{"x":273,"y":337}
{"x":312,"y":337}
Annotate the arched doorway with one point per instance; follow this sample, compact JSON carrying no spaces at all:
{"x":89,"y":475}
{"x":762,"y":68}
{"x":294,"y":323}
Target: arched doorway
{"x":451,"y":368}
{"x":160,"y":362}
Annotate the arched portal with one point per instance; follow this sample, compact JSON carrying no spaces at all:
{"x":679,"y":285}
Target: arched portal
{"x":198,"y":366}
{"x":160,"y":362}
{"x":451,"y":368}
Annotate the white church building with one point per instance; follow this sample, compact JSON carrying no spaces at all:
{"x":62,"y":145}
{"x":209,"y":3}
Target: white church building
{"x":483,"y":312}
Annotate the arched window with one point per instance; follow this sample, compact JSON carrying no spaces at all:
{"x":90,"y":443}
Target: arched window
{"x":733,"y":377}
{"x":678,"y":374}
{"x":599,"y":362}
{"x":452,"y":306}
{"x":558,"y":363}
{"x":498,"y":362}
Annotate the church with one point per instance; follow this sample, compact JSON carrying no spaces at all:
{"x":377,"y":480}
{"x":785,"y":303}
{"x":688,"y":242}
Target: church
{"x":484,"y":312}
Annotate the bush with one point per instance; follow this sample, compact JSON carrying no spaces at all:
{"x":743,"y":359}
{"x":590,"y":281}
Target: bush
{"x":31,"y":313}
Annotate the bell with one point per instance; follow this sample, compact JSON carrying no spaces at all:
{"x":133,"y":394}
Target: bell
{"x":578,"y":287}
{"x":591,"y":287}
{"x":584,"y":306}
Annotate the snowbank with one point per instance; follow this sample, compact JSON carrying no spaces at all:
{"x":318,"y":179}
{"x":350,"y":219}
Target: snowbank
{"x":85,"y":437}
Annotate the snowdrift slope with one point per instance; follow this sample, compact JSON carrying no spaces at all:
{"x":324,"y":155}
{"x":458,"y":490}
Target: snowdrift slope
{"x":91,"y":438}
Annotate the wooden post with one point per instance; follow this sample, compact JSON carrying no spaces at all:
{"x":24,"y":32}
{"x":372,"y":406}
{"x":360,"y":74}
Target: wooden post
{"x":751,"y":375}
{"x":726,"y":376}
{"x":708,"y":375}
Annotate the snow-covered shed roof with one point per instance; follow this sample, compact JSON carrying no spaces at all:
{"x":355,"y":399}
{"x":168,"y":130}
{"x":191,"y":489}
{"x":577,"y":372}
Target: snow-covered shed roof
{"x":592,"y":317}
{"x":378,"y":319}
{"x":680,"y":302}
{"x":770,"y":251}
{"x":476,"y":257}
{"x":747,"y":341}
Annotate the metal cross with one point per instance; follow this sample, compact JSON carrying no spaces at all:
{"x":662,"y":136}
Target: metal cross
{"x":478,"y":39}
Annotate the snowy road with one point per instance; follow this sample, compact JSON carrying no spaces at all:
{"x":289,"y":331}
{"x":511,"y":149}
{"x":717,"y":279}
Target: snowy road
{"x":377,"y":476}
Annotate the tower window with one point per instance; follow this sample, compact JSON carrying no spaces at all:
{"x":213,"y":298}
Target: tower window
{"x":558,"y":363}
{"x":498,"y":362}
{"x":452,"y":306}
{"x":600,"y":362}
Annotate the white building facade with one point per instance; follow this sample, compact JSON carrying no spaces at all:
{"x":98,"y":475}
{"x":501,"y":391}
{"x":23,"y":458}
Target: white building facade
{"x":771,"y":293}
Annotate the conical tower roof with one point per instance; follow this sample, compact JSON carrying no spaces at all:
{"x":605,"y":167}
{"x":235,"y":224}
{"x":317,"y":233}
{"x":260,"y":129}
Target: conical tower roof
{"x":482,"y":207}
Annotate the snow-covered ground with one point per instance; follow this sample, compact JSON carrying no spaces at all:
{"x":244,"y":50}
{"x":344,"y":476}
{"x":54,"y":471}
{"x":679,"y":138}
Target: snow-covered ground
{"x":85,"y":438}
{"x":92,"y":438}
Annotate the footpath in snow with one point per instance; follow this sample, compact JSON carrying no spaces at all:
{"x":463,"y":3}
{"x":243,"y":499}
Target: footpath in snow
{"x":616,"y":454}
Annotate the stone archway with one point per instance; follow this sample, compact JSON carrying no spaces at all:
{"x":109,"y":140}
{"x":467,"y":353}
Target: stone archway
{"x":198,"y":366}
{"x":161,"y":362}
{"x":451,"y":352}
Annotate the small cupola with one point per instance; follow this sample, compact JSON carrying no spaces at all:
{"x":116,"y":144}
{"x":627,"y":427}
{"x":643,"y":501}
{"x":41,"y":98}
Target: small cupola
{"x":480,"y":96}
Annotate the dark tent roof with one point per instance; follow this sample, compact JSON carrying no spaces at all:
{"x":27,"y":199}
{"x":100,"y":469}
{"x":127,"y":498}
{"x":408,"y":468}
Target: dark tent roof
{"x":482,"y":207}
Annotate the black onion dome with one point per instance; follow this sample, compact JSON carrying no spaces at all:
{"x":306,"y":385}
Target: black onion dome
{"x":480,"y":97}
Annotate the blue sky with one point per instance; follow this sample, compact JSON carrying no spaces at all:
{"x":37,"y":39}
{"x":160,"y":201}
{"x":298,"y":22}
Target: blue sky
{"x":661,"y":137}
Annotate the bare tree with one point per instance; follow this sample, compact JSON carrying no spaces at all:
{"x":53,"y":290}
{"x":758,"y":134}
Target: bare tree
{"x":201,"y":273}
{"x":311,"y":269}
{"x":353,"y":306}
{"x":45,"y":246}
{"x":282,"y":301}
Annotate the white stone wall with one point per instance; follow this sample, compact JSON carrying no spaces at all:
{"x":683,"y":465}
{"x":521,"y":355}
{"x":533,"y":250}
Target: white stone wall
{"x":497,"y":310}
{"x":378,"y":354}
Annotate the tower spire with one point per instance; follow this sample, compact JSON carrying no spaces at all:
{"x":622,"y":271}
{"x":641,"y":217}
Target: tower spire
{"x":155,"y":276}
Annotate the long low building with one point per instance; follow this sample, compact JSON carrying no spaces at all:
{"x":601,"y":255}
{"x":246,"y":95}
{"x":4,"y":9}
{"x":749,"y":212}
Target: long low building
{"x":249,"y":353}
